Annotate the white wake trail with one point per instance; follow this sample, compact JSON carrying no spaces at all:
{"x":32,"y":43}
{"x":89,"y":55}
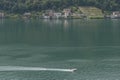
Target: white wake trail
{"x":20,"y":68}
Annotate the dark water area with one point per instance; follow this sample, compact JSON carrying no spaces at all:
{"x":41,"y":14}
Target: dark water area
{"x":92,"y":46}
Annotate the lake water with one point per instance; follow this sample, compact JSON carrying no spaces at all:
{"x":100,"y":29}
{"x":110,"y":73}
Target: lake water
{"x":91,"y":46}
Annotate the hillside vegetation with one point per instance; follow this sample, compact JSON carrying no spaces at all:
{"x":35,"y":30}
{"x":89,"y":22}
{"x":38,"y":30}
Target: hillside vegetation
{"x":21,"y":6}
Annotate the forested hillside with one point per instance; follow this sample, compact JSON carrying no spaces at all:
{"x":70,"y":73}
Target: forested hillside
{"x":20,"y":6}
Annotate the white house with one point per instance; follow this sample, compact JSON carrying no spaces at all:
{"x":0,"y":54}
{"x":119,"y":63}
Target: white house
{"x":48,"y":14}
{"x":67,"y":13}
{"x":57,"y":15}
{"x":115,"y":14}
{"x":27,"y":15}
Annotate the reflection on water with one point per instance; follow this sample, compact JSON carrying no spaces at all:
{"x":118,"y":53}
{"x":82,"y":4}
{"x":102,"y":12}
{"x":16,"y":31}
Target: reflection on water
{"x":65,"y":23}
{"x":91,"y":46}
{"x":1,"y":21}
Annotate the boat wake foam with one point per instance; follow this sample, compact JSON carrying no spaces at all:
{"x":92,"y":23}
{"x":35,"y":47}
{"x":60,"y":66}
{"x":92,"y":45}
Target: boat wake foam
{"x":20,"y":68}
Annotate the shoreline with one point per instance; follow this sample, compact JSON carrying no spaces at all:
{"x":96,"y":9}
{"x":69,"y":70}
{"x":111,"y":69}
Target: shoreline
{"x":33,"y":16}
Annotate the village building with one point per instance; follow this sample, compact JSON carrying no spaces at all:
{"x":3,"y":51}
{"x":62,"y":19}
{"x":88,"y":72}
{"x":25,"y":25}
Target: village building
{"x":115,"y":14}
{"x":48,"y":14}
{"x":45,"y":16}
{"x":27,"y":15}
{"x":67,"y":13}
{"x":57,"y":15}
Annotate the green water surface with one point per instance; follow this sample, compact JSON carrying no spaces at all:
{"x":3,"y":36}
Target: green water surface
{"x":91,"y":46}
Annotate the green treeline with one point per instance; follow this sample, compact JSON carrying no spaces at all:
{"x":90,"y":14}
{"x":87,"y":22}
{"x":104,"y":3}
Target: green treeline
{"x":21,"y":6}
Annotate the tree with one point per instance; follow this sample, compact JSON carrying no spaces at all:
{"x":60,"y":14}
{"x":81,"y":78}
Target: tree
{"x":20,"y":6}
